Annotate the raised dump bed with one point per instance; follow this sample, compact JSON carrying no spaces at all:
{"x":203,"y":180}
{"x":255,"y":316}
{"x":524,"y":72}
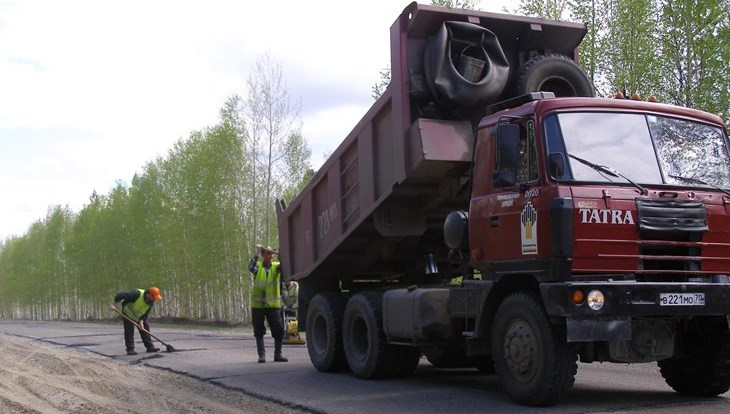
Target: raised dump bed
{"x":376,"y":207}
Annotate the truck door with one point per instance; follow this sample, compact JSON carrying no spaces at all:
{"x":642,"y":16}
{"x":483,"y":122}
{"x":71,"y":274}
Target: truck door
{"x":506,"y":208}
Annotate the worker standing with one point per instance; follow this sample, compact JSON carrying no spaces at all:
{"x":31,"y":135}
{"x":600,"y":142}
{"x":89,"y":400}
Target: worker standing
{"x":136,"y":305}
{"x":266,"y":301}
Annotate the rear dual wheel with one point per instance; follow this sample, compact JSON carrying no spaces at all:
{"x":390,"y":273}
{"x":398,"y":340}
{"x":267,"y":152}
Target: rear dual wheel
{"x":324,"y":332}
{"x":368,"y":353}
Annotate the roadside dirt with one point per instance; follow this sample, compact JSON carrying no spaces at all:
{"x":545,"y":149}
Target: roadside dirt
{"x":43,"y":378}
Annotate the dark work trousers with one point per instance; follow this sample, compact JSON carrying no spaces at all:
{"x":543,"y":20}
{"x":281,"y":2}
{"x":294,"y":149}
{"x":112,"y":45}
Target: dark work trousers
{"x":273,"y":317}
{"x":129,"y":335}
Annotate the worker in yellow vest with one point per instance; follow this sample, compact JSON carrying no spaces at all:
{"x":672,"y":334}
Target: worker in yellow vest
{"x":266,"y":301}
{"x":136,"y":304}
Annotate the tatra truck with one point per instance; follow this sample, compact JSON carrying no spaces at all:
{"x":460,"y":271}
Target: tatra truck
{"x":489,"y":211}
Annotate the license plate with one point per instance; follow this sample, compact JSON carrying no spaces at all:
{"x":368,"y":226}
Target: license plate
{"x":681,"y":299}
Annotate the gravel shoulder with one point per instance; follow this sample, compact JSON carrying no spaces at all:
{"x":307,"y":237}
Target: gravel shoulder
{"x":37,"y":377}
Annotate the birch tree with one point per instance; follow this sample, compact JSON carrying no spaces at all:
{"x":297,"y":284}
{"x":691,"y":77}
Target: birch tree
{"x":272,"y":115}
{"x":695,"y":48}
{"x":630,"y":47}
{"x":593,"y":13}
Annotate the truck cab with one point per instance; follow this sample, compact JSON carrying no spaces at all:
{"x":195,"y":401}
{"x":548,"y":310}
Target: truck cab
{"x":609,"y":219}
{"x":582,"y":186}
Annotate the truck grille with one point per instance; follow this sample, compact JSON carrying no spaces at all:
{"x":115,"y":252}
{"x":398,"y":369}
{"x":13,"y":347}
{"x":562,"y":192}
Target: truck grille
{"x":672,"y":218}
{"x":669,"y":236}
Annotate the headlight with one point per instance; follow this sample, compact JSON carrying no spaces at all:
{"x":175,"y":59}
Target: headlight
{"x":595,"y":300}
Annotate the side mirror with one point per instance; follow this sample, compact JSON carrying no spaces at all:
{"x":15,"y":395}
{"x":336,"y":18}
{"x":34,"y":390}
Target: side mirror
{"x":556,"y":165}
{"x":508,"y":155}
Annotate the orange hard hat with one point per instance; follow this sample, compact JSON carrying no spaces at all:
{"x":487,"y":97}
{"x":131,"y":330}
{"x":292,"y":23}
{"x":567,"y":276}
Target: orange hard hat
{"x":154,"y":291}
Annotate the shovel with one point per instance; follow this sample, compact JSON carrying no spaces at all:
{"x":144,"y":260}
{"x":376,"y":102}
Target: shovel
{"x":168,"y":347}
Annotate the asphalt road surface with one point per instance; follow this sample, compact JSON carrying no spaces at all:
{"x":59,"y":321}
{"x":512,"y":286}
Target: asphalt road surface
{"x":227,"y":359}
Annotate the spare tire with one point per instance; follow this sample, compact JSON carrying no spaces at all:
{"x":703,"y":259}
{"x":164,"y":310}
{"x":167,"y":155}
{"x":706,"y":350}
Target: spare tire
{"x":465,"y":65}
{"x":552,"y":73}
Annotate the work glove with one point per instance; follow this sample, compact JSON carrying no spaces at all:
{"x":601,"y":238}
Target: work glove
{"x":258,"y":249}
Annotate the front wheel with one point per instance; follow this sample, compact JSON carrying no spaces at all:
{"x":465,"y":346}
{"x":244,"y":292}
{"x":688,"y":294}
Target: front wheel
{"x":701,"y":365}
{"x":534,"y":363}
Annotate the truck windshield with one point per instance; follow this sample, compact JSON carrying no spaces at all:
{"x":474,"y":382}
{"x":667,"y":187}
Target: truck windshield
{"x":643,"y":148}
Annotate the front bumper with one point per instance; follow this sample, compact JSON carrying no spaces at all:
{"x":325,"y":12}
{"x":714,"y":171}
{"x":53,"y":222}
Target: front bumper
{"x":624,"y":301}
{"x":626,"y":298}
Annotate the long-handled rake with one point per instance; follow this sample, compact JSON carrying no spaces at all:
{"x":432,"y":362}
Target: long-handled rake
{"x":168,"y":347}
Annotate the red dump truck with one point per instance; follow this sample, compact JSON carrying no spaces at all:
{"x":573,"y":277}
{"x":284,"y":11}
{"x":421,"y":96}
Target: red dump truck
{"x":488,"y":211}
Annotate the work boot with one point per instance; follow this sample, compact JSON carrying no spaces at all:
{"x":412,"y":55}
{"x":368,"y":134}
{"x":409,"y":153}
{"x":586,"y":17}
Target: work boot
{"x":261,"y":350}
{"x":153,"y":349}
{"x":131,"y":352}
{"x":278,"y":357}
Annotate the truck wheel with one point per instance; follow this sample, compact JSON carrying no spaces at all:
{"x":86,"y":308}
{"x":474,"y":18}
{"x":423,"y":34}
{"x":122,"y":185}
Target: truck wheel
{"x":368,"y":354}
{"x":324,"y":332}
{"x":702,"y":365}
{"x":535,"y":365}
{"x":552,"y":73}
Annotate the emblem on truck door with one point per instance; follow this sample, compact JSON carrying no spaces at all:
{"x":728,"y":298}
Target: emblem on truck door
{"x":528,"y":229}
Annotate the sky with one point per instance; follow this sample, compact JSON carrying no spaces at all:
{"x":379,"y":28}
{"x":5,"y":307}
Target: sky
{"x":91,"y":91}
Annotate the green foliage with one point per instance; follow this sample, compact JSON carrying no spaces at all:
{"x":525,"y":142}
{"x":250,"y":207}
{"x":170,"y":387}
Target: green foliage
{"x":382,"y":84}
{"x":35,"y":277}
{"x":630,"y":46}
{"x":695,"y":49}
{"x":296,"y":166}
{"x":592,"y":58}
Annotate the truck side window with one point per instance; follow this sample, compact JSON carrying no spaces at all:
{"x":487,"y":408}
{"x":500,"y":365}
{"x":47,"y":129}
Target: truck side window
{"x":554,"y":139}
{"x":527,"y":169}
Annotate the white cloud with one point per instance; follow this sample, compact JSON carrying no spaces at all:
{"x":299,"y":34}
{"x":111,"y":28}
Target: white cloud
{"x":326,"y":129}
